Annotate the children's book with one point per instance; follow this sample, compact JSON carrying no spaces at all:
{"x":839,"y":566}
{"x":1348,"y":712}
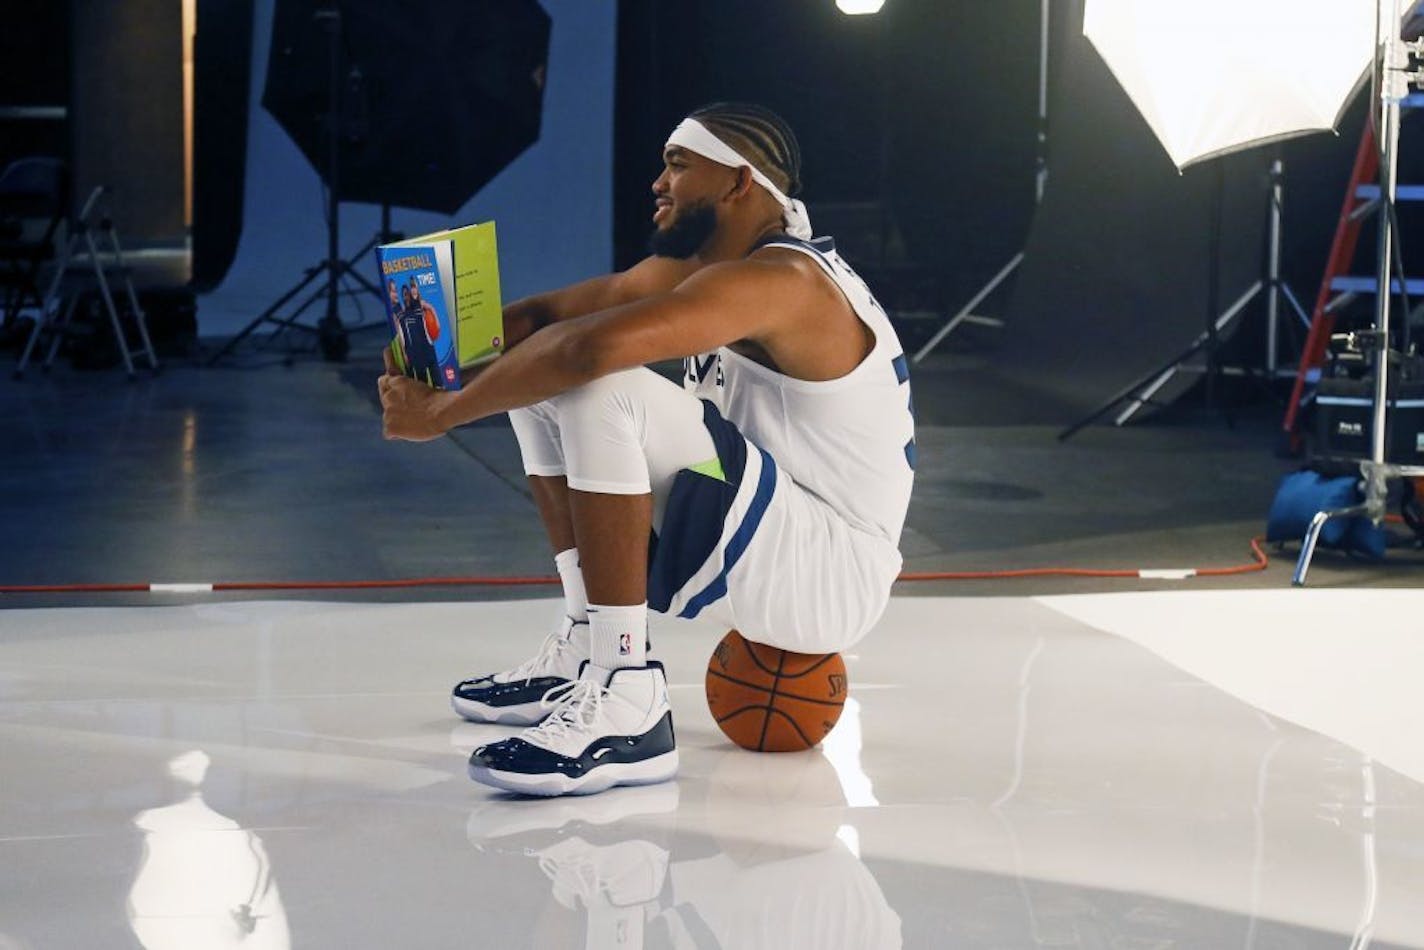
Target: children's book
{"x":442,"y":295}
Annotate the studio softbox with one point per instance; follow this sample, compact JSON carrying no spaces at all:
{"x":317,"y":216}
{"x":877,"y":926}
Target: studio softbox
{"x":433,"y":99}
{"x":1215,"y":76}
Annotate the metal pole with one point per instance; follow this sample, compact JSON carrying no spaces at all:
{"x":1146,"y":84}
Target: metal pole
{"x":1393,"y":87}
{"x":1040,"y":182}
{"x":1273,"y":298}
{"x":1203,"y":339}
{"x":1041,"y":175}
{"x":331,"y":335}
{"x":966,"y":313}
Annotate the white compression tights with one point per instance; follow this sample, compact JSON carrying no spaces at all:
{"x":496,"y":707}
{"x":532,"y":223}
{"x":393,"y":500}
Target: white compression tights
{"x":626,"y":433}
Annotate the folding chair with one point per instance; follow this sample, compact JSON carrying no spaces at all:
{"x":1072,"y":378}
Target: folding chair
{"x":34,"y":198}
{"x":74,"y":263}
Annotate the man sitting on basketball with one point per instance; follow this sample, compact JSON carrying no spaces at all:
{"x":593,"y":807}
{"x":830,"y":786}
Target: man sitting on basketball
{"x":775,"y":481}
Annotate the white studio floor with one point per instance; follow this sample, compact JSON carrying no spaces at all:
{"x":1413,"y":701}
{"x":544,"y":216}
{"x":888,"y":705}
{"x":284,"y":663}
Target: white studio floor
{"x":1213,"y":769}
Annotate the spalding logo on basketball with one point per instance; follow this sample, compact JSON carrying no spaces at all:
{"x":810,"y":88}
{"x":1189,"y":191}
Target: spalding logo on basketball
{"x":771,"y":700}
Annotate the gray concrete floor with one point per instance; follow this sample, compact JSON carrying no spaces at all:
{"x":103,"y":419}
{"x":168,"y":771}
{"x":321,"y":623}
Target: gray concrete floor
{"x":267,"y":469}
{"x":1075,"y":771}
{"x":1120,"y":771}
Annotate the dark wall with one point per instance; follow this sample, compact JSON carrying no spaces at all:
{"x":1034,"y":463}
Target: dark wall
{"x":929,"y":106}
{"x":127,"y":112}
{"x":113,"y":74}
{"x":1125,"y":264}
{"x":34,"y":73}
{"x":222,"y":58}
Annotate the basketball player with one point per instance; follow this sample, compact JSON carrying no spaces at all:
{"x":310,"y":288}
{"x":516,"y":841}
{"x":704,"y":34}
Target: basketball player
{"x":417,"y":320}
{"x":774,"y":482}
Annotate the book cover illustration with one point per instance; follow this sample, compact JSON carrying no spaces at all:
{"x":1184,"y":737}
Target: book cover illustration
{"x":443,"y":298}
{"x":420,"y":318}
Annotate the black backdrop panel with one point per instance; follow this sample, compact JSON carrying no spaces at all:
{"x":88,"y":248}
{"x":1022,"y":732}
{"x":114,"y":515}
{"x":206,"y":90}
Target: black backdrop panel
{"x":126,"y":113}
{"x":964,"y":121}
{"x":435,"y":98}
{"x":1116,"y":279}
{"x":222,"y":61}
{"x":34,"y":73}
{"x":1117,"y":275}
{"x":947,"y":89}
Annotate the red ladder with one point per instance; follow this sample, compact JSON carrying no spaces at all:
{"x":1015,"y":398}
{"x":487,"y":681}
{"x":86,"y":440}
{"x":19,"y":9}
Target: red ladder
{"x":1353,"y":213}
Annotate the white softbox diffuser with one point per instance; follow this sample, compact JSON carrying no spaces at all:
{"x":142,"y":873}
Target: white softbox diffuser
{"x":1214,"y":76}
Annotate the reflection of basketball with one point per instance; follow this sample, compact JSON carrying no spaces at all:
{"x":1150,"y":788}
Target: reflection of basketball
{"x":771,"y":700}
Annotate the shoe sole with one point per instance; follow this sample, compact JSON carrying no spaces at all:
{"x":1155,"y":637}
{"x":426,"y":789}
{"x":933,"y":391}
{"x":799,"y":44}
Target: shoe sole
{"x":525,"y":714}
{"x":498,"y":820}
{"x":660,"y":768}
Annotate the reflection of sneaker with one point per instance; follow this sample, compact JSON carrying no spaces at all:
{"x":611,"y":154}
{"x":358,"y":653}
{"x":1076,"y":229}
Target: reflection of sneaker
{"x":514,"y":696}
{"x":625,"y":874}
{"x":498,"y":818}
{"x":596,"y":736}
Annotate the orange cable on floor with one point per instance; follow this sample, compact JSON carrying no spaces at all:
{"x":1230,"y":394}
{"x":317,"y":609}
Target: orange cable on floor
{"x":1259,"y":563}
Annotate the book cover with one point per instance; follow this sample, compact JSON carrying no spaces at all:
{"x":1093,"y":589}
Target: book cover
{"x":443,"y":300}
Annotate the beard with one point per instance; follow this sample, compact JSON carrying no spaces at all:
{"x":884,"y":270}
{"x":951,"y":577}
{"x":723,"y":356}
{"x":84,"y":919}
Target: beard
{"x":686,"y":234}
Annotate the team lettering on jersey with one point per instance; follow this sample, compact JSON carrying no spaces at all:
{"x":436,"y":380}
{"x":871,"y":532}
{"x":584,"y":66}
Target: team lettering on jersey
{"x":696,"y":369}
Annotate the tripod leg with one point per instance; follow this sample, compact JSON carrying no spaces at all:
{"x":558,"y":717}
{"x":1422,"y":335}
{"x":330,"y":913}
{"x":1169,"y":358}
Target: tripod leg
{"x":968,"y":309}
{"x":41,"y":322}
{"x":1120,"y":395}
{"x":109,"y":304}
{"x":348,"y":271}
{"x":1312,"y":535}
{"x":59,"y":327}
{"x":1147,"y":385}
{"x":140,"y":317}
{"x":266,"y":315}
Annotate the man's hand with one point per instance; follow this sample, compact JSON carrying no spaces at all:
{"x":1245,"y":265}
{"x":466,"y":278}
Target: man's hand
{"x":409,"y":408}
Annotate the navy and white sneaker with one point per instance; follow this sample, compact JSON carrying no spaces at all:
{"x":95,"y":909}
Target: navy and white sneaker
{"x":519,"y":825}
{"x":616,"y":884}
{"x":515,"y":697}
{"x":606,"y":728}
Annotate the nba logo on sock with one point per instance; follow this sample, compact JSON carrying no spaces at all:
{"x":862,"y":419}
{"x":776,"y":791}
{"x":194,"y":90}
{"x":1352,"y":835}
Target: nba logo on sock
{"x":625,"y":644}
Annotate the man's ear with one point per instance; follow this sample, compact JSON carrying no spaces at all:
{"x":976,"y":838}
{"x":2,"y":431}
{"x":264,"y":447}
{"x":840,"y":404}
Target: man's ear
{"x":743,"y":184}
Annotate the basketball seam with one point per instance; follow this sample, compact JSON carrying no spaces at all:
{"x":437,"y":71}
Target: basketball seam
{"x":808,"y":699}
{"x":733,"y":679}
{"x":809,"y":669}
{"x":756,"y":659}
{"x":771,"y":701}
{"x":737,"y":712}
{"x":794,"y":725}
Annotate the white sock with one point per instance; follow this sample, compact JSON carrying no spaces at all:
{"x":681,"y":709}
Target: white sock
{"x":618,"y":635}
{"x":575,"y":598}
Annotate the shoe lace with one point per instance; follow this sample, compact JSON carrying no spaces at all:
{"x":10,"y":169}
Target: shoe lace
{"x":574,"y":707}
{"x":543,"y":661}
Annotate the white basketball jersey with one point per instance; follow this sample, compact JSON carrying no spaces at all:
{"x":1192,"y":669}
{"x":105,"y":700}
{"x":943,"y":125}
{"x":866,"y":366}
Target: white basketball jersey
{"x":850,"y":441}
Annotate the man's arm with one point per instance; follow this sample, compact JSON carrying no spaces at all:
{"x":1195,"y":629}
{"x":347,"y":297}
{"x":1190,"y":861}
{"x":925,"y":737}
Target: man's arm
{"x":654,"y":275}
{"x":528,"y":315}
{"x":721,"y":304}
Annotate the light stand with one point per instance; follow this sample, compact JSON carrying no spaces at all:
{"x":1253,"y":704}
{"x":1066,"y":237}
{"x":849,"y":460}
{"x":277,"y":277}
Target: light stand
{"x":966,"y":313}
{"x":1141,"y":392}
{"x":332,"y":334}
{"x":1393,"y":78}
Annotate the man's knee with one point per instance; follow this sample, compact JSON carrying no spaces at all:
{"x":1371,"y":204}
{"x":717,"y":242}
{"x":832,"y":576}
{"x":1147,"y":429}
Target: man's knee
{"x":618,"y":399}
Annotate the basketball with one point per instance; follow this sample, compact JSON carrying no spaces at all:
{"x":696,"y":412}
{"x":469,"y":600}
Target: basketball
{"x":771,"y":700}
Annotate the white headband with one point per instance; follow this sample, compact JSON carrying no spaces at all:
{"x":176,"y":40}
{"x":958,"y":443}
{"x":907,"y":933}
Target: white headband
{"x":694,"y":136}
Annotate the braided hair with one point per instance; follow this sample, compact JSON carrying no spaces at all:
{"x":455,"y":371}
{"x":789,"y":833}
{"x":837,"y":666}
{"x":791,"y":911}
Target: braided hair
{"x":760,"y":136}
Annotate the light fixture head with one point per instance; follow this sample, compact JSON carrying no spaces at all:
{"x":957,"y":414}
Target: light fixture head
{"x":859,"y":7}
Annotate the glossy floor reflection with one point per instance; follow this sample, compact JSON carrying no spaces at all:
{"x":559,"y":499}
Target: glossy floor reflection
{"x":1124,"y":771}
